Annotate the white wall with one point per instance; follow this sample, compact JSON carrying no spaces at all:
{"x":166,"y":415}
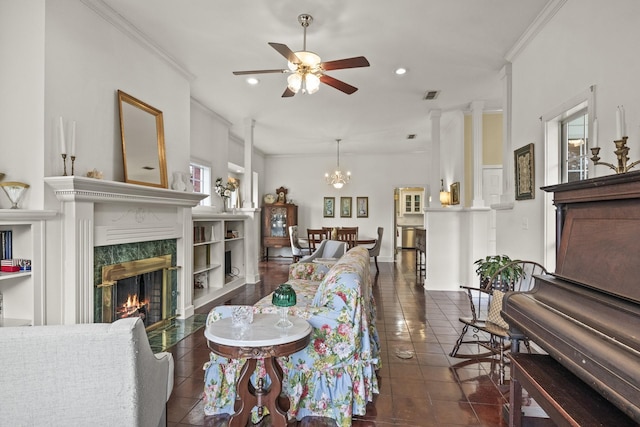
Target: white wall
{"x":22,"y":44}
{"x":87,"y":59}
{"x":588,"y":42}
{"x":373,"y":176}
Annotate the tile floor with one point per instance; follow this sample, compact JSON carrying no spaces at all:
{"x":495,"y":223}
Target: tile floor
{"x":429,"y":389}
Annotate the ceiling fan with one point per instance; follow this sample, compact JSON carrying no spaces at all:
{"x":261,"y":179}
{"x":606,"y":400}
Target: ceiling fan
{"x":307,"y":70}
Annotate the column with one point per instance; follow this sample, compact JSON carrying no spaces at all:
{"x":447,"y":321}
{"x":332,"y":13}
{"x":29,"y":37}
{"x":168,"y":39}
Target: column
{"x":436,"y":174}
{"x":247,"y":184}
{"x":476,"y":113}
{"x":507,"y":145}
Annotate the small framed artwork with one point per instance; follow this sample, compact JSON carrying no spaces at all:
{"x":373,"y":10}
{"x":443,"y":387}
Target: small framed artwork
{"x":328,"y":210}
{"x":345,"y":207}
{"x":525,"y":173}
{"x":362,"y":204}
{"x":455,"y":193}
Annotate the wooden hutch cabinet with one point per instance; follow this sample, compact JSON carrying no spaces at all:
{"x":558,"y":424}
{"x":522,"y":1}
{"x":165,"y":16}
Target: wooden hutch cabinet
{"x":277,"y":218}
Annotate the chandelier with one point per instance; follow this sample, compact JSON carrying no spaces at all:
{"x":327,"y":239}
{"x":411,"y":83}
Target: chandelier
{"x":337,"y":178}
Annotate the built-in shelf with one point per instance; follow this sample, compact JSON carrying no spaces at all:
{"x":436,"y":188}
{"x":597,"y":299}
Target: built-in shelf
{"x":23,"y":291}
{"x":6,"y":275}
{"x":213,"y":276}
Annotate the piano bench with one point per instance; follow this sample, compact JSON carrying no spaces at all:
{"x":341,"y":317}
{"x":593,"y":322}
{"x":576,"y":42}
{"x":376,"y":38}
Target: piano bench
{"x":567,"y":400}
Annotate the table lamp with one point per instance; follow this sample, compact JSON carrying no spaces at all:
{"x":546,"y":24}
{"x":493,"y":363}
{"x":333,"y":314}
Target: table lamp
{"x":284,"y":297}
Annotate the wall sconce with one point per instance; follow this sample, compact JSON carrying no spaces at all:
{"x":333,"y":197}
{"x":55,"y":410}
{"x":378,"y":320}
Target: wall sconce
{"x":445,"y":196}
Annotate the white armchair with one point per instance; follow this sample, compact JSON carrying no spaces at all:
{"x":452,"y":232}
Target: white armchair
{"x":327,"y":249}
{"x":101,"y":374}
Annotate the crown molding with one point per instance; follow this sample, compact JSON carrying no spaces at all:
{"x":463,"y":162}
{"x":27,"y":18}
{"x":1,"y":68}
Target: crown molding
{"x":536,"y":26}
{"x":119,"y":22}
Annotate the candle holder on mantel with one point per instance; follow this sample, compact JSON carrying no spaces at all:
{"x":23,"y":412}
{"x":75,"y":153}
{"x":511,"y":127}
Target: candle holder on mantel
{"x":73,"y":161}
{"x":621,"y":152}
{"x":64,"y":164}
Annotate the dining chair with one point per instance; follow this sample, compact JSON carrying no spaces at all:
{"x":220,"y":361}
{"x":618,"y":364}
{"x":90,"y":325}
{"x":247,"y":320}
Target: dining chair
{"x":349,"y":235}
{"x":375,"y":250}
{"x":297,"y":249}
{"x":315,"y":236}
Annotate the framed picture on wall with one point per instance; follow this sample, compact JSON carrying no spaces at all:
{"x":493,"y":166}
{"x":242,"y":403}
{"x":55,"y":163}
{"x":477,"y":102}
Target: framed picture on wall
{"x":525,"y":172}
{"x":328,"y":210}
{"x":345,"y":207}
{"x":362,"y":204}
{"x":455,"y":193}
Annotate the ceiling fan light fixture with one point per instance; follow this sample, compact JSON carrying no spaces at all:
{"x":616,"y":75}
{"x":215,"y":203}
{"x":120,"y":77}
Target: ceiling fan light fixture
{"x":294,"y":82}
{"x":310,"y":84}
{"x":307,"y":59}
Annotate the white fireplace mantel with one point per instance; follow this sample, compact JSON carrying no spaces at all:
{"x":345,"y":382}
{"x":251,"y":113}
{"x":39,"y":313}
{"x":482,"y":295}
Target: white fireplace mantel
{"x":77,"y":188}
{"x":97,"y":212}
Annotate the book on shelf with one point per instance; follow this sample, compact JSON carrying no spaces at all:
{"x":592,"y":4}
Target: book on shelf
{"x":6,"y":237}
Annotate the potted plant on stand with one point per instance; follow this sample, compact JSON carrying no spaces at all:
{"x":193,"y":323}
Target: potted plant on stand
{"x":487,"y":267}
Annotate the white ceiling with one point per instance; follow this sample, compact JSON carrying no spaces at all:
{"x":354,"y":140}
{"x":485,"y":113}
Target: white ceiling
{"x":454,"y":46}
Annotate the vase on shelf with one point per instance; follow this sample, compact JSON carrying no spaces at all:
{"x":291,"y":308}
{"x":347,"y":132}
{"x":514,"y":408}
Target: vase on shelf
{"x":177,"y":182}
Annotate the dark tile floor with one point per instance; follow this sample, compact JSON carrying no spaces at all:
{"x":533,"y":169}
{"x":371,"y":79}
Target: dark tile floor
{"x":428,"y":389}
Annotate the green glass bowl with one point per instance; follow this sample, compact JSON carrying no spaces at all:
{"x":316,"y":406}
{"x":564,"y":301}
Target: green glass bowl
{"x":284,"y":296}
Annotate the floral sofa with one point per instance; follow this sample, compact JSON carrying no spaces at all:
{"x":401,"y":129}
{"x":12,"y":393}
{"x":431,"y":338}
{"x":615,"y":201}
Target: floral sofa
{"x":334,"y":376}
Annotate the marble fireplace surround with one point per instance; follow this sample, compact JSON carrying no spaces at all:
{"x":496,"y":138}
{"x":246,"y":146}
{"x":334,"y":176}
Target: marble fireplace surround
{"x":101,"y":213}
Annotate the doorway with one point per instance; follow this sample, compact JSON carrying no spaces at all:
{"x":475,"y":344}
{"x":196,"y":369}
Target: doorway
{"x":408,"y":204}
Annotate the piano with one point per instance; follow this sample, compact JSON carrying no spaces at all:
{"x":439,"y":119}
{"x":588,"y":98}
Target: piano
{"x":586,"y":315}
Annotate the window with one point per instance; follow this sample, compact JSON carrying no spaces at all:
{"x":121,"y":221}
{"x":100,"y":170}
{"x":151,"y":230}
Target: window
{"x":574,"y":142}
{"x":567,"y":131}
{"x":201,"y":180}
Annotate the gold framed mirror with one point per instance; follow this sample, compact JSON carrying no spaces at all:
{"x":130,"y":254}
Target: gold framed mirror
{"x":142,"y":135}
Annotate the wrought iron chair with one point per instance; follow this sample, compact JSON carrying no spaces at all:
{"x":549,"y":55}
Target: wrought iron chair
{"x":488,"y":331}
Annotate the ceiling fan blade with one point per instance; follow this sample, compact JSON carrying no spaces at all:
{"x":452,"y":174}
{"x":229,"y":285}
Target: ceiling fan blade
{"x":358,"y":61}
{"x":242,"y":73}
{"x":288,"y":93}
{"x":284,"y":50}
{"x":338,"y":84}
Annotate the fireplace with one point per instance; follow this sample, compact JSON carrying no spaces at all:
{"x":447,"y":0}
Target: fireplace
{"x":140,"y":288}
{"x":109,"y":223}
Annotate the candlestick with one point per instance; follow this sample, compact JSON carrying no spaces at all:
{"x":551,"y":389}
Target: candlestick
{"x":621,"y":153}
{"x":64,"y":164}
{"x":73,"y":160}
{"x":63,"y":144}
{"x":594,"y":137}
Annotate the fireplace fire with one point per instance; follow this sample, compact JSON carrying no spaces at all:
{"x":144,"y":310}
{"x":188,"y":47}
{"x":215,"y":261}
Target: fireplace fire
{"x":138,"y":288}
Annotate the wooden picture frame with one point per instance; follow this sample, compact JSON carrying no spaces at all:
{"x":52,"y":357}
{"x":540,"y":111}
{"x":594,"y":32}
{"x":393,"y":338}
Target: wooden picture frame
{"x":455,"y":193}
{"x":345,"y":207}
{"x":328,"y":207}
{"x":362,"y":206}
{"x":524,"y":166}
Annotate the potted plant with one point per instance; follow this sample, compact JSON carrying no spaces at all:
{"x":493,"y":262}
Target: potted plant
{"x":488,"y":266}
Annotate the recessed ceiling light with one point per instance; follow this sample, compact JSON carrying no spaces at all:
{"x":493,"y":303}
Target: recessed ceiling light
{"x":400,"y":71}
{"x":252,"y":81}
